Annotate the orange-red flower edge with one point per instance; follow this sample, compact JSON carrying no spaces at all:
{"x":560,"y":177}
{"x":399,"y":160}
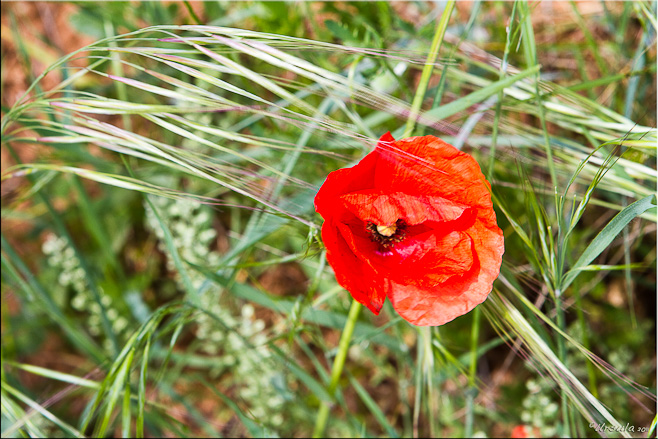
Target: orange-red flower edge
{"x":523,"y":431}
{"x":412,"y":221}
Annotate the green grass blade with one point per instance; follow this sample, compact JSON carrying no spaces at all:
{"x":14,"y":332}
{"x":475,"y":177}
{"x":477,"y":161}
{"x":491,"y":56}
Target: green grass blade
{"x":252,"y":426}
{"x":41,"y":410}
{"x":480,"y":95}
{"x":114,"y":392}
{"x":605,"y":236}
{"x":12,"y":265}
{"x":374,"y":408}
{"x":180,"y":268}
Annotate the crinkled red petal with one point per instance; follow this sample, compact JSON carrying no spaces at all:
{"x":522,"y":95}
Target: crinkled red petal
{"x":459,"y":294}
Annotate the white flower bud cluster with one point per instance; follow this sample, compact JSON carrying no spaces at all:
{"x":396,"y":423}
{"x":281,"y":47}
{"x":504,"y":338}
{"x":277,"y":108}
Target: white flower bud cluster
{"x":189,"y":225}
{"x":240,"y":340}
{"x":62,"y":258}
{"x":539,"y":410}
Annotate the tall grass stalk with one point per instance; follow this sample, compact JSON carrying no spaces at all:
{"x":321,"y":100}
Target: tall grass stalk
{"x":426,"y":74}
{"x":337,"y":367}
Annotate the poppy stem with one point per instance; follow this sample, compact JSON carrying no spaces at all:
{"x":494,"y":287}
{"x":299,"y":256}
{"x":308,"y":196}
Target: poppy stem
{"x":337,"y":368}
{"x":425,"y":76}
{"x":472,"y":373}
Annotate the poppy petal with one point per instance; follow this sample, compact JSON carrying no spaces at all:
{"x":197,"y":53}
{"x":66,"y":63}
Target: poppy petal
{"x":412,"y":221}
{"x":429,"y":259}
{"x":459,"y":294}
{"x":385,"y":208}
{"x":341,"y":181}
{"x":430,"y":166}
{"x":354,"y":274}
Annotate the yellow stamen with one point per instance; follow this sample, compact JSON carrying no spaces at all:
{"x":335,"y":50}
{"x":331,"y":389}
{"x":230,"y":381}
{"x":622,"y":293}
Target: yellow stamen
{"x":387,"y":230}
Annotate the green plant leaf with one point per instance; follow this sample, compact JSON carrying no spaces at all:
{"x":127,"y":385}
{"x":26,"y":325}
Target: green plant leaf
{"x":605,"y":236}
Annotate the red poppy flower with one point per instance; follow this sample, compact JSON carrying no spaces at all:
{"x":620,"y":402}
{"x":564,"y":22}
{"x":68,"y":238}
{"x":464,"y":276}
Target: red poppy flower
{"x":523,"y":431}
{"x":413,"y":221}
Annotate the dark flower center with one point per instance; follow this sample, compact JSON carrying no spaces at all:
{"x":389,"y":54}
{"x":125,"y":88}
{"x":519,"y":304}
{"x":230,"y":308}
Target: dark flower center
{"x":386,"y":235}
